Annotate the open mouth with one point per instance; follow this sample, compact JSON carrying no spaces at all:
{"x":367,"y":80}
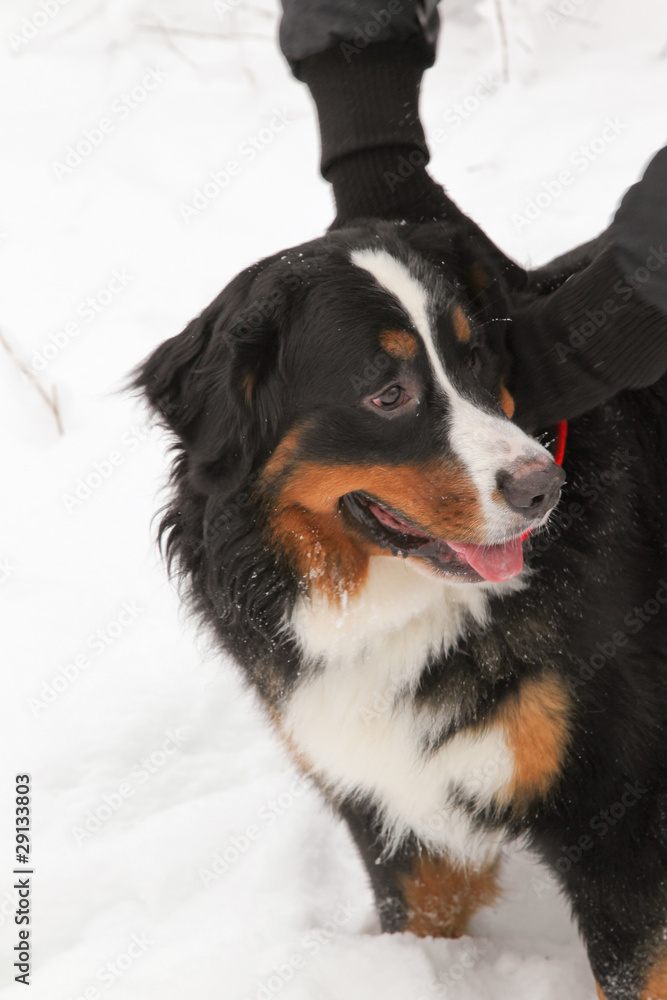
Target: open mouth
{"x":470,"y":563}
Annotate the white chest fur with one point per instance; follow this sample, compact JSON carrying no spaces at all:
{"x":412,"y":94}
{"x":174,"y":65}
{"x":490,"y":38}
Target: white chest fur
{"x":354,"y":718}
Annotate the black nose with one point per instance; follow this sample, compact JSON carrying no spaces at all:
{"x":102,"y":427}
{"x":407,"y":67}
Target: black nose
{"x":531,"y":491}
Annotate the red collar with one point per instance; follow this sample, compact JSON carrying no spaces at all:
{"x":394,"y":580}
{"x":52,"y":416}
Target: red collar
{"x":559,"y":455}
{"x":561,"y":438}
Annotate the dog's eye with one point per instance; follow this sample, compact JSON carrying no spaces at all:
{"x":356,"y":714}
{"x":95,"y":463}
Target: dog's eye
{"x":391,"y":398}
{"x":475,"y":361}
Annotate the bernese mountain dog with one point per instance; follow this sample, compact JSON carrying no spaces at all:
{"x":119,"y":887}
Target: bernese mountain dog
{"x":461,"y":647}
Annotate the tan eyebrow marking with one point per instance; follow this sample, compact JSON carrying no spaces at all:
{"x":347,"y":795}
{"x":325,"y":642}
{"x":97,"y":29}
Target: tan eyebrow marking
{"x":478,"y":278}
{"x":506,"y":400}
{"x":399,"y":344}
{"x":461,"y":325}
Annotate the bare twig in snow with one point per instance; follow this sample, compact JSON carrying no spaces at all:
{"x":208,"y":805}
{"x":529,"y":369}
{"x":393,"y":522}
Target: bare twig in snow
{"x":29,"y":376}
{"x":256,"y":10}
{"x":208,"y":35}
{"x":504,"y":47}
{"x":170,"y":43}
{"x":70,"y":29}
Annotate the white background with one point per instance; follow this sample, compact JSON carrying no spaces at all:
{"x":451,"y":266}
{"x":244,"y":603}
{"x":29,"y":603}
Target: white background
{"x":68,"y":567}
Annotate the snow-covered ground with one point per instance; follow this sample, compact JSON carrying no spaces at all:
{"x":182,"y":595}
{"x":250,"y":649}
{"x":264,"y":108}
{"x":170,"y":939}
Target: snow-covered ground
{"x":176,"y":854}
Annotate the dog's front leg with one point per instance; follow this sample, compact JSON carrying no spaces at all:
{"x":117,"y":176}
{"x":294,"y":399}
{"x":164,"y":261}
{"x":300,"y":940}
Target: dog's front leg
{"x":417,"y":890}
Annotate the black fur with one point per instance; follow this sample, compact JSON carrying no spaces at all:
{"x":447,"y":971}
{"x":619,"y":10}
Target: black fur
{"x":301,"y":325}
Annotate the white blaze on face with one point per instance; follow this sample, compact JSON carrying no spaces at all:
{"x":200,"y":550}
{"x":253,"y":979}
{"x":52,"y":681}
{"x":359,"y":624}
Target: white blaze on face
{"x":485,"y":443}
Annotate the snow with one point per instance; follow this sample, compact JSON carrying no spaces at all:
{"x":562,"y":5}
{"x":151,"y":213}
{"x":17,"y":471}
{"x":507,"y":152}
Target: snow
{"x":207,"y":867}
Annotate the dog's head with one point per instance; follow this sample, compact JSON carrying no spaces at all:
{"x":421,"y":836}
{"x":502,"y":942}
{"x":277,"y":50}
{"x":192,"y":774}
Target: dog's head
{"x":354,"y":386}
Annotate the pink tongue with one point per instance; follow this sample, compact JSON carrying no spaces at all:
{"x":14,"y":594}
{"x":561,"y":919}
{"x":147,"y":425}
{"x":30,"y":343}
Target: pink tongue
{"x":494,"y":562}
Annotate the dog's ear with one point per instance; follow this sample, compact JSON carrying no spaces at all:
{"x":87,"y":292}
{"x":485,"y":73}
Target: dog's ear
{"x":218,"y":386}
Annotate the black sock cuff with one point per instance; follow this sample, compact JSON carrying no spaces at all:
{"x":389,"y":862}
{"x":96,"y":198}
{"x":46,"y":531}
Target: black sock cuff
{"x":389,"y":183}
{"x":368,"y":99}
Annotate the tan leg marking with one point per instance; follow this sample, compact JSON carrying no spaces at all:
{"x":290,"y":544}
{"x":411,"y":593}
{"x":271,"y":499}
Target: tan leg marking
{"x":656,"y":987}
{"x":442,"y":897}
